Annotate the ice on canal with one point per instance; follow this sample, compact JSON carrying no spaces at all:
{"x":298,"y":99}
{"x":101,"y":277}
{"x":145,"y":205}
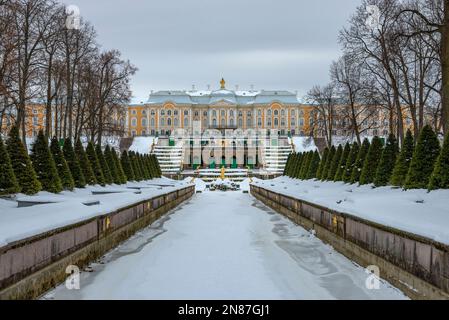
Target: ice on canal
{"x":224,"y":245}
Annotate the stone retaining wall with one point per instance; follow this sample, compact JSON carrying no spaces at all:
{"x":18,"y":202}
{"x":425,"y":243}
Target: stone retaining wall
{"x":417,"y":265}
{"x":31,"y":266}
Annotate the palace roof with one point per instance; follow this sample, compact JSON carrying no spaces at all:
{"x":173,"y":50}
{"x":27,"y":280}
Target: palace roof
{"x":222,"y":96}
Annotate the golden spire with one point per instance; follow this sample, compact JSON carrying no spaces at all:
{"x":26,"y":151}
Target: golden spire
{"x":222,"y":83}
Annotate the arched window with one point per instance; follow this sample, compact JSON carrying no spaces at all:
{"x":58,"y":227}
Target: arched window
{"x":301,"y":121}
{"x":293,"y":122}
{"x":144,"y":122}
{"x":223,"y":122}
{"x":276,"y":122}
{"x":169,"y":113}
{"x":176,"y":122}
{"x":240,"y":122}
{"x":186,"y":122}
{"x":231,"y":113}
{"x":276,"y":112}
{"x":134,"y":122}
{"x":231,"y":122}
{"x":153,"y":112}
{"x":214,"y":122}
{"x":259,"y":112}
{"x":248,"y":122}
{"x":169,"y":122}
{"x":214,"y":113}
{"x":162,"y":122}
{"x":282,"y":112}
{"x":152,"y":122}
{"x":259,"y":122}
{"x":269,"y":113}
{"x":283,"y":122}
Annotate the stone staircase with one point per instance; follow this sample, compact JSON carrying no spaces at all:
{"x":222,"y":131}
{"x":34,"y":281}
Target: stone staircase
{"x":275,"y":157}
{"x":170,"y":157}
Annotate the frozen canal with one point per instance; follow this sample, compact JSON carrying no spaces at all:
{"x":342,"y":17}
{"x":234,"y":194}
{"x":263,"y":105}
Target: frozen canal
{"x":224,"y":246}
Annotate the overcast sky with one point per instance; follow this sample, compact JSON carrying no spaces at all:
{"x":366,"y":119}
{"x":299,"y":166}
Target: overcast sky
{"x":271,"y":44}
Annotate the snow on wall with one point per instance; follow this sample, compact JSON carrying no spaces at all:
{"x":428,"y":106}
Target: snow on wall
{"x":415,"y":211}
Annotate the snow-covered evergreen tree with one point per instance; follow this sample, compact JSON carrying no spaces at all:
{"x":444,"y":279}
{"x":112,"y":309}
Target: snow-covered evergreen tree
{"x":8,"y":181}
{"x":44,"y":165}
{"x":21,"y":164}
{"x":61,"y":165}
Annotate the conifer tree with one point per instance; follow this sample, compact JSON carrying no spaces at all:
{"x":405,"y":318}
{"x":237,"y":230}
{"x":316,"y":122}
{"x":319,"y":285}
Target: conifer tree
{"x":335,"y":163}
{"x":297,"y":168}
{"x":21,"y":164}
{"x":8,"y":181}
{"x":112,"y":165}
{"x":158,"y":168}
{"x":118,"y":164}
{"x":61,"y":165}
{"x":387,"y":162}
{"x":305,"y":165}
{"x":440,"y":176}
{"x":288,"y":164}
{"x":85,"y":164}
{"x":342,"y":165}
{"x":44,"y":165}
{"x":127,"y":166}
{"x":423,"y":162}
{"x":350,"y":163}
{"x":371,"y":162}
{"x":313,"y":168}
{"x":145,"y":171}
{"x":95,"y":163}
{"x":403,"y":161}
{"x":358,"y":165}
{"x":135,"y":166}
{"x":322,"y":163}
{"x":328,"y":163}
{"x":74,"y":165}
{"x":103,"y":165}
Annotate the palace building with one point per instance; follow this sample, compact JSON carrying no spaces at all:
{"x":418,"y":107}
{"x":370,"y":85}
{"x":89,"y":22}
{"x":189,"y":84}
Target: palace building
{"x":166,"y":111}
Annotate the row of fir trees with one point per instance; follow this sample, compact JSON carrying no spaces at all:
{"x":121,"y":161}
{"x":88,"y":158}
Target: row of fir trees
{"x":421,"y":164}
{"x":54,"y":169}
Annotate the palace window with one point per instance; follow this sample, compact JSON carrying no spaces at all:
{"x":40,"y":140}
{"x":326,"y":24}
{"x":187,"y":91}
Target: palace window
{"x":186,"y":122}
{"x":204,"y":113}
{"x":153,"y":112}
{"x":283,"y":122}
{"x":134,"y":122}
{"x":144,"y":122}
{"x":35,"y":120}
{"x":269,"y":113}
{"x":276,"y":122}
{"x":240,"y":114}
{"x":248,"y":113}
{"x":176,"y":122}
{"x":223,"y":123}
{"x":259,"y":122}
{"x":168,"y":112}
{"x":175,"y":112}
{"x":240,"y":122}
{"x":134,"y":112}
{"x":231,"y":122}
{"x":223,"y":113}
{"x":214,"y":122}
{"x":293,"y":122}
{"x":301,"y":113}
{"x":144,"y":112}
{"x":186,"y":112}
{"x":301,"y":121}
{"x":162,"y":112}
{"x":214,"y":113}
{"x":152,"y":122}
{"x":196,"y":114}
{"x":231,"y":113}
{"x":269,"y":122}
{"x":293,"y":112}
{"x":144,"y":133}
{"x":282,"y":112}
{"x":169,"y":122}
{"x":259,"y":112}
{"x":248,"y":122}
{"x":276,"y":112}
{"x":162,"y":122}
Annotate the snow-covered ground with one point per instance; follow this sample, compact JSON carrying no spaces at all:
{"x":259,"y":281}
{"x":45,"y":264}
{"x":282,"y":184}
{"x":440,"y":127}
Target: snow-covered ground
{"x":416,"y":211}
{"x":224,"y":245}
{"x":19,"y":223}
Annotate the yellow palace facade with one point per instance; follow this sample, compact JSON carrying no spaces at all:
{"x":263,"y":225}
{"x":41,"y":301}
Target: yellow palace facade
{"x":166,"y":111}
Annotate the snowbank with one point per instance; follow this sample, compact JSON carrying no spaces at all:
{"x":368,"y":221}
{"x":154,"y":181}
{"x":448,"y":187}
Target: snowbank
{"x":143,"y":145}
{"x":416,"y":211}
{"x":19,"y":223}
{"x":303,"y":144}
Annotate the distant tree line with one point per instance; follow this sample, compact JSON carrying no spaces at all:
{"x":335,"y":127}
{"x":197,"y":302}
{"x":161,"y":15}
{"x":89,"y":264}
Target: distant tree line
{"x":420,"y":164}
{"x":46,"y":57}
{"x":396,"y":57}
{"x":53,"y":168}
